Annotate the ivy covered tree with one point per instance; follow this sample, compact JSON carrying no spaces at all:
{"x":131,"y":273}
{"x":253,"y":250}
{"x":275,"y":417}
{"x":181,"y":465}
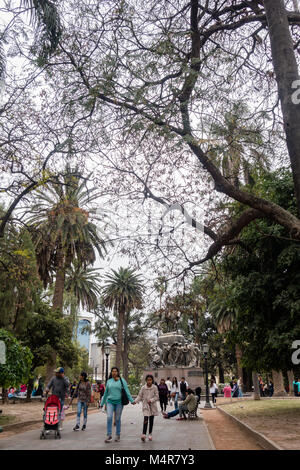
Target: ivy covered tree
{"x":17,"y":368}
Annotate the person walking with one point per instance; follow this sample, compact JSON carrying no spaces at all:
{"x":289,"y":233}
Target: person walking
{"x":163,"y":395}
{"x":183,"y":388}
{"x":227,"y":391}
{"x":213,"y":389}
{"x":235,"y":390}
{"x":296,"y":387}
{"x":83,"y":395}
{"x":175,"y":391}
{"x":188,"y":405}
{"x":149,"y":396}
{"x":73,"y":388}
{"x":240,"y":385}
{"x":60,"y":387}
{"x":169,"y":385}
{"x":116,"y":389}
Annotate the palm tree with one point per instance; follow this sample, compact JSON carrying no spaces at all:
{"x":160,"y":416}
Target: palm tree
{"x":62,"y":231}
{"x":123,"y":292}
{"x":240,"y":143}
{"x":225,"y":317}
{"x":83,"y":286}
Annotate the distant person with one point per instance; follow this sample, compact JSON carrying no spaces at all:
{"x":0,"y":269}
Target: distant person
{"x":149,"y":396}
{"x":169,"y":385}
{"x":240,"y":385}
{"x":198,"y":391}
{"x":296,"y":387}
{"x":232,"y":382}
{"x":183,"y":388}
{"x":163,"y":395}
{"x":73,"y":387}
{"x":271,"y":388}
{"x":227,"y":391}
{"x":188,"y":405}
{"x":213,"y":389}
{"x":175,"y":391}
{"x":235,"y":390}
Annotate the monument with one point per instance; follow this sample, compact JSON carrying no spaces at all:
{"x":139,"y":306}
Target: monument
{"x":173,"y":356}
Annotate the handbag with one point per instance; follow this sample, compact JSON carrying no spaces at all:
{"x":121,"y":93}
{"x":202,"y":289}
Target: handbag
{"x":125,"y":400}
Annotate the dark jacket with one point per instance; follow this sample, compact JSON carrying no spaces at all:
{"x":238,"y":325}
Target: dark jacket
{"x":183,"y":387}
{"x":163,"y":390}
{"x":83,"y":392}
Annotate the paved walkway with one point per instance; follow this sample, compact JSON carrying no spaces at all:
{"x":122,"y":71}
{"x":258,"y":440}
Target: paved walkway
{"x":167,"y":435}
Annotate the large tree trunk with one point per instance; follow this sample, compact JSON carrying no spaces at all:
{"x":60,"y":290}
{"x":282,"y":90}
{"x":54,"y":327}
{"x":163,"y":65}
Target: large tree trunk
{"x":221,"y":374}
{"x":256,"y":386}
{"x":119,"y":345}
{"x":126,"y":349}
{"x":4,"y":395}
{"x":286,"y":71}
{"x":279,"y":390}
{"x":238,"y":355}
{"x":57,"y":304}
{"x":29,"y":390}
{"x":290,"y":375}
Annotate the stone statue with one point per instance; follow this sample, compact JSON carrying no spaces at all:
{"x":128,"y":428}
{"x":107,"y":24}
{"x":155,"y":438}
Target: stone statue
{"x":155,"y":356}
{"x":165,"y":353}
{"x":192,"y":359}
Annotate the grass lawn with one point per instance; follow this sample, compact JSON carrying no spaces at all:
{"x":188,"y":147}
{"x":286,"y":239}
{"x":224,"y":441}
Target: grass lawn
{"x":262,"y":408}
{"x":6,"y":420}
{"x":276,"y":419}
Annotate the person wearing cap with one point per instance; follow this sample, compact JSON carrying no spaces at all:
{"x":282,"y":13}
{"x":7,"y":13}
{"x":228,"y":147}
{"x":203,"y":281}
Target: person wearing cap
{"x":59,"y":385}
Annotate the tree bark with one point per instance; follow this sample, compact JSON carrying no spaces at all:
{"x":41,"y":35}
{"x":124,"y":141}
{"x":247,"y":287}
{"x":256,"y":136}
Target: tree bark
{"x":279,"y":390}
{"x":29,"y":390}
{"x":238,"y":355}
{"x":221,"y":374}
{"x":57,"y":304}
{"x":256,"y":386}
{"x":287,"y":74}
{"x":290,"y":375}
{"x":119,"y":345}
{"x":4,"y":395}
{"x":125,"y":350}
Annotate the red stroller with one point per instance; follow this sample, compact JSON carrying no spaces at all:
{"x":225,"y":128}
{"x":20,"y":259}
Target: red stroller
{"x":51,"y":418}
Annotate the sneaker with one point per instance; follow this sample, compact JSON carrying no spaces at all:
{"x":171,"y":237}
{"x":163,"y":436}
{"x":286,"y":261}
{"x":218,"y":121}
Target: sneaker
{"x":117,"y":439}
{"x":143,"y":437}
{"x":83,"y":428}
{"x":179,"y":419}
{"x":108,"y":439}
{"x":150,"y":437}
{"x":76,"y":428}
{"x":165,"y":415}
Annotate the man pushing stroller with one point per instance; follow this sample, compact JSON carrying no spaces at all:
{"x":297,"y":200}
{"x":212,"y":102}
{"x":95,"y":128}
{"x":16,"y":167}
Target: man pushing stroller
{"x":60,"y":386}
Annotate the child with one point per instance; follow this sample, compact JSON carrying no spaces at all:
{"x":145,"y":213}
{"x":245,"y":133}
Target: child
{"x":148,"y":395}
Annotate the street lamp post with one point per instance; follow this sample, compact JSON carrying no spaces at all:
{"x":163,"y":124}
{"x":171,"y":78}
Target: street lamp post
{"x":205,"y":348}
{"x":107,"y":352}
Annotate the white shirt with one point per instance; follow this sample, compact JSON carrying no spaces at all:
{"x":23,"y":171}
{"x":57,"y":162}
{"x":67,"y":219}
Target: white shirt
{"x":213,"y":389}
{"x":174,"y":389}
{"x":169,"y":384}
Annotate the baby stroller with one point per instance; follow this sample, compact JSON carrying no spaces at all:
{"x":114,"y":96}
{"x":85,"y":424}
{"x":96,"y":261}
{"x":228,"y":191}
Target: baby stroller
{"x":51,"y":418}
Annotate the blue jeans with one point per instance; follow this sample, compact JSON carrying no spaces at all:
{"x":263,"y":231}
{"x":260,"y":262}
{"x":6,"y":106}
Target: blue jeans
{"x":110,"y":408}
{"x":176,"y":401}
{"x":82,"y":405}
{"x":180,"y":410}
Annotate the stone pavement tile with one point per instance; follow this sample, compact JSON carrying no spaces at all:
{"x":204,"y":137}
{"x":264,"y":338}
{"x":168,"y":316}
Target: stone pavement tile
{"x":167,"y":435}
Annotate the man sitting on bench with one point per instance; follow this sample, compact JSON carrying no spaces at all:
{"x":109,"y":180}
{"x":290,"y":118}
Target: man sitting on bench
{"x":188,"y":405}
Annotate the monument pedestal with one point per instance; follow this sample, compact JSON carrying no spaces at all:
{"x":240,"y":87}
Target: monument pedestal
{"x":193,"y":375}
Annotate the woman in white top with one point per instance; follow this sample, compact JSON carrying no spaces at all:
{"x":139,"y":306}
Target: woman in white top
{"x":213,"y":389}
{"x":175,"y":391}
